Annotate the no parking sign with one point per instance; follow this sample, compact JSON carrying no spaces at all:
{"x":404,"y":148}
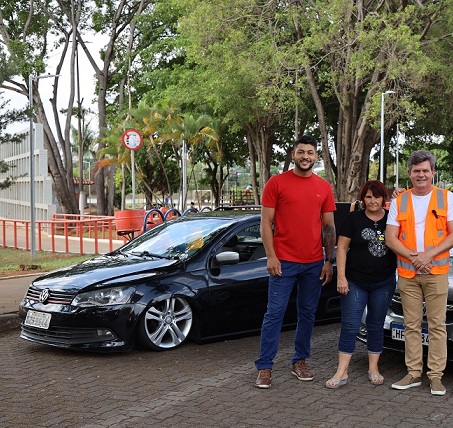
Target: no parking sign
{"x":132,"y":139}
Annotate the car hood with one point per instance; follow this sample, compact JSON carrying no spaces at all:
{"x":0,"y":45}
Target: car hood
{"x":104,"y":270}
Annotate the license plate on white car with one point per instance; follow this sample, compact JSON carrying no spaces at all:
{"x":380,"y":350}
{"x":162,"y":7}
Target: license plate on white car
{"x":38,"y":319}
{"x":398,"y":334}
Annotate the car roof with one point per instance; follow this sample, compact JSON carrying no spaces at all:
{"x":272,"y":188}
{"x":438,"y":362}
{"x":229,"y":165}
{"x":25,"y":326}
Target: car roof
{"x":231,"y":212}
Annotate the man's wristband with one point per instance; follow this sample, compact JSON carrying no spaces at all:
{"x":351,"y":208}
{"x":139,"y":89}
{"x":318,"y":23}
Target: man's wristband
{"x":330,"y":259}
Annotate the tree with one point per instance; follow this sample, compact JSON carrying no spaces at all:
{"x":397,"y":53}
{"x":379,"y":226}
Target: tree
{"x":8,"y":181}
{"x":250,"y":59}
{"x":231,"y":66}
{"x":30,"y":31}
{"x":351,"y":53}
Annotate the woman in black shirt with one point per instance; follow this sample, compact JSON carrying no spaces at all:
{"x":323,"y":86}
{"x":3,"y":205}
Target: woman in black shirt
{"x":366,"y":277}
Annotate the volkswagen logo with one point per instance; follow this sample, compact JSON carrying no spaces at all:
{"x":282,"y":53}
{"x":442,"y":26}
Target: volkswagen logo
{"x":44,"y":296}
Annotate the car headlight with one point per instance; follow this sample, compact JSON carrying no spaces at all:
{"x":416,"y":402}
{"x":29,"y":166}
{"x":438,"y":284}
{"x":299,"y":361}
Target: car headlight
{"x":103,"y":297}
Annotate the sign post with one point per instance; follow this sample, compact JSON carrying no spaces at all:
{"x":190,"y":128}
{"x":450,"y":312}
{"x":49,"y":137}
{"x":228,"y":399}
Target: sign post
{"x":132,"y":140}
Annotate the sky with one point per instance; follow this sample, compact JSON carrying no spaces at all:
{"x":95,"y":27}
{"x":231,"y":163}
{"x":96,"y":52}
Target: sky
{"x":87,"y":88}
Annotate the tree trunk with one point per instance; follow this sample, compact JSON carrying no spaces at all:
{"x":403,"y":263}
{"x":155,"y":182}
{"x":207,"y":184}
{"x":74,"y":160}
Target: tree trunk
{"x":60,"y":172}
{"x":260,"y":137}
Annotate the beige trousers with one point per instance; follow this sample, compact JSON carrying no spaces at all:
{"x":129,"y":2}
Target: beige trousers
{"x":433,"y":290}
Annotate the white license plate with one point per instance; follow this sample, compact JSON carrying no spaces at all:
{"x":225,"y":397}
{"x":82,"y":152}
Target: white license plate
{"x":38,"y":319}
{"x":398,"y":334}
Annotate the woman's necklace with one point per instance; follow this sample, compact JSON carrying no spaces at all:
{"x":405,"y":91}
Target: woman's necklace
{"x":376,"y":222}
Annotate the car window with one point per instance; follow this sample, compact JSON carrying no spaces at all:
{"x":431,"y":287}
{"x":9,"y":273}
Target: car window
{"x":178,"y":238}
{"x":248,"y":243}
{"x":250,"y":234}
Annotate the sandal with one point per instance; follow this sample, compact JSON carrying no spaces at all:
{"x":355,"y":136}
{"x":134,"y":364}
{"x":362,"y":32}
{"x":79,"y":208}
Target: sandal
{"x":336,"y":383}
{"x":376,"y":379}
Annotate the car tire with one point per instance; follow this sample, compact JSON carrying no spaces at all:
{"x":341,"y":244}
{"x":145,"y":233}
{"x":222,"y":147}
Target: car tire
{"x":166,"y":324}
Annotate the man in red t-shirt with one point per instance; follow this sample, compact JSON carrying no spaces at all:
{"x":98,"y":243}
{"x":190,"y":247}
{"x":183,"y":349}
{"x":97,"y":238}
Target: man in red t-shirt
{"x":296,"y":223}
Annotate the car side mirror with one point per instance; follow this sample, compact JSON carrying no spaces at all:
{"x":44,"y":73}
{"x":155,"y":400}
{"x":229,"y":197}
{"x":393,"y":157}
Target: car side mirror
{"x":227,"y":258}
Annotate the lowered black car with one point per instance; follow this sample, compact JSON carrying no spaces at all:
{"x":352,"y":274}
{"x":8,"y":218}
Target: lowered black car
{"x":200,"y":276}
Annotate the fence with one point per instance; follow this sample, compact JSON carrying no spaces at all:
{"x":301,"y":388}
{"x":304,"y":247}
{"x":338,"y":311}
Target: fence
{"x":64,"y":233}
{"x":83,"y":234}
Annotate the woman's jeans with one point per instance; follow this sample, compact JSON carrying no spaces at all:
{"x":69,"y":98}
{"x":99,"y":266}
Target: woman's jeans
{"x":309,"y":285}
{"x":377,"y":297}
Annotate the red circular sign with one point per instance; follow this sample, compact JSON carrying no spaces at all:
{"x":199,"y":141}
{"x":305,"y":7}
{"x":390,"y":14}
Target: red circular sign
{"x":132,"y":139}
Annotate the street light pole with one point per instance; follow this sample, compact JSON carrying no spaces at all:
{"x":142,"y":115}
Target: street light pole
{"x":31,"y":78}
{"x":381,"y":157}
{"x":397,"y":184}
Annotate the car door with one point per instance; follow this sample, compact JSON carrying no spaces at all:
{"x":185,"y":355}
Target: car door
{"x":238,"y":292}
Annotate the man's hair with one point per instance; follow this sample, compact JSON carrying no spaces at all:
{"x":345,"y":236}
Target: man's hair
{"x":420,"y":156}
{"x":306,"y":139}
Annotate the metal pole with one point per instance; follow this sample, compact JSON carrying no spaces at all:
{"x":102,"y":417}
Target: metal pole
{"x":133,"y":177}
{"x":381,"y":156}
{"x":79,"y":132}
{"x":32,"y":172}
{"x":397,"y":156}
{"x":32,"y":78}
{"x":184,"y":174}
{"x":132,"y":151}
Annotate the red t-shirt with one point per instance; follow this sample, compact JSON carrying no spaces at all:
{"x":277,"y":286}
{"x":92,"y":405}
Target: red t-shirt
{"x":298,"y":203}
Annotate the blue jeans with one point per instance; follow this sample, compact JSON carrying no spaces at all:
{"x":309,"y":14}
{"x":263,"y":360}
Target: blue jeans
{"x":377,"y":297}
{"x":309,"y":285}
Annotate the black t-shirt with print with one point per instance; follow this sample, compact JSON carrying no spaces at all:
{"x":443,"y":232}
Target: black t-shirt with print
{"x":368,"y":258}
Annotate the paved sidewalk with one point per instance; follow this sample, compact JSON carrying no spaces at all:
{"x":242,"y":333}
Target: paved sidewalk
{"x":204,"y":386}
{"x":12,"y":290}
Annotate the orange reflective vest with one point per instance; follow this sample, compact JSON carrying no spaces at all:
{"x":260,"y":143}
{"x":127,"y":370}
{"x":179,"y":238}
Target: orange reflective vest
{"x":435,"y":230}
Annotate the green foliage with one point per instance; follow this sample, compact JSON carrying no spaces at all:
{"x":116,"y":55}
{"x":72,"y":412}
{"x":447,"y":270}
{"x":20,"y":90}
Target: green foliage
{"x":261,"y":70}
{"x":8,"y":181}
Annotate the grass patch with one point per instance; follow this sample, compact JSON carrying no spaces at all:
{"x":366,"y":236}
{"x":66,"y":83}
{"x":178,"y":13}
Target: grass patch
{"x":14,"y":261}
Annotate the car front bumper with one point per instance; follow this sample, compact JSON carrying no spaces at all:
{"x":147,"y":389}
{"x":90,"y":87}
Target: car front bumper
{"x":108,"y":328}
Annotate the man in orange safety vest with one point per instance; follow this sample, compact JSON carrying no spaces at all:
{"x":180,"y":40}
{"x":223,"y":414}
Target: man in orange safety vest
{"x":420,"y":231}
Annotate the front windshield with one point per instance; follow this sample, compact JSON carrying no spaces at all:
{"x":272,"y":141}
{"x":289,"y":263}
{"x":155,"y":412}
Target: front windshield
{"x":178,"y":238}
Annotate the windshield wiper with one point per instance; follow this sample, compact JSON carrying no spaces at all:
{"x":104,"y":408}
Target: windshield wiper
{"x":153,"y":255}
{"x":119,"y":251}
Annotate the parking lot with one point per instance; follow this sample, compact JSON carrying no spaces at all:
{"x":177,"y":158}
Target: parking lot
{"x":207,"y":385}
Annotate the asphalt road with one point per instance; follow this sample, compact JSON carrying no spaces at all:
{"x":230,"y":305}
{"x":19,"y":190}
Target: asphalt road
{"x":205,"y":386}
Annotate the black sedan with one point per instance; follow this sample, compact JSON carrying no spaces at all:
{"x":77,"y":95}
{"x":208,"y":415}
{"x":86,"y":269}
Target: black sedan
{"x":394,"y":322}
{"x":201,"y":276}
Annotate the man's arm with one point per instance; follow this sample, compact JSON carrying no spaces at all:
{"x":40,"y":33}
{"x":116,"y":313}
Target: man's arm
{"x":424,"y":259}
{"x":392,"y":241}
{"x":328,"y":238}
{"x":267,"y":235}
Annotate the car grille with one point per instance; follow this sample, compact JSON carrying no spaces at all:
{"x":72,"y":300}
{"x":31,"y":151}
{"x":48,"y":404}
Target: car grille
{"x":397,"y":308}
{"x":59,"y":297}
{"x":62,"y":336}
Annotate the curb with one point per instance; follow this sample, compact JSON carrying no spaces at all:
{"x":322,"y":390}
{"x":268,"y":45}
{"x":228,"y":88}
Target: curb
{"x":21,"y":276}
{"x":9,"y":322}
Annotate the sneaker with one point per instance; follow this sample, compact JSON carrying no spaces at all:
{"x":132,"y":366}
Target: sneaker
{"x":264,"y":378}
{"x":436,"y":387}
{"x":301,"y":371}
{"x":407,"y":382}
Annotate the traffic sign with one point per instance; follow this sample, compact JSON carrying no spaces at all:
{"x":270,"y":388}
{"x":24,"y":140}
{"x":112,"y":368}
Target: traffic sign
{"x":132,"y":139}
